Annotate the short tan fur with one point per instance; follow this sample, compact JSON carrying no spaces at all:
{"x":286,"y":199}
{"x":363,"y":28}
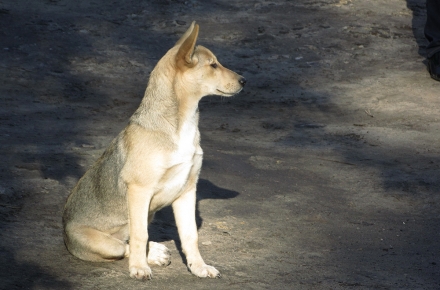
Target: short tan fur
{"x":154,"y":162}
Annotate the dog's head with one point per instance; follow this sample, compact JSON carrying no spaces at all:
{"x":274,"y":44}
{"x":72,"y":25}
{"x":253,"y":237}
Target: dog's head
{"x":199,"y":71}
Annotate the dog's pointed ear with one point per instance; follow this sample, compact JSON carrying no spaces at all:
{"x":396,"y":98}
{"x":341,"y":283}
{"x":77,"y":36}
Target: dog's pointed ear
{"x":186,"y":34}
{"x":186,"y":49}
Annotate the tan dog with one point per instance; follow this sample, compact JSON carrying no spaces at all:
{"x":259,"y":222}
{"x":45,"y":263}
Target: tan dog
{"x":154,"y":162}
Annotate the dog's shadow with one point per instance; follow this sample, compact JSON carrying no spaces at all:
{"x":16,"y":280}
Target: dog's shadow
{"x":163,"y":227}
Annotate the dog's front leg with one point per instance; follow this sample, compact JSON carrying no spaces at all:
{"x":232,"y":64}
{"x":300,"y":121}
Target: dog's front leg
{"x":138,"y":205}
{"x":184,"y":212}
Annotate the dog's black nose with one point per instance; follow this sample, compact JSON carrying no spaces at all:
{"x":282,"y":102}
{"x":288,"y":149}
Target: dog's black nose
{"x":242,"y":82}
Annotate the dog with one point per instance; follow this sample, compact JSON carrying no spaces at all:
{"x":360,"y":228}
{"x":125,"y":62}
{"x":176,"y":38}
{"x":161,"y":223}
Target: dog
{"x":154,"y":162}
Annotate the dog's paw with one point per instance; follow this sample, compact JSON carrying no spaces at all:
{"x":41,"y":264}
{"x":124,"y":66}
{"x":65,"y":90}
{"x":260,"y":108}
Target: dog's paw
{"x":140,"y":273}
{"x":204,"y":270}
{"x":158,"y":254}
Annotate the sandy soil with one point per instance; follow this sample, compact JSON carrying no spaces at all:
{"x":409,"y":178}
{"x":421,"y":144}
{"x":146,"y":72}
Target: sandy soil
{"x":322,"y":174}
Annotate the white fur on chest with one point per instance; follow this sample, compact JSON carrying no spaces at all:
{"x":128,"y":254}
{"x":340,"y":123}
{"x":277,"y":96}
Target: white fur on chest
{"x":179,"y":168}
{"x":185,"y":144}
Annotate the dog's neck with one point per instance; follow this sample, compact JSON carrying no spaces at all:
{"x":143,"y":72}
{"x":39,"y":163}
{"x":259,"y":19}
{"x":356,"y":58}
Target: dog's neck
{"x":164,"y":107}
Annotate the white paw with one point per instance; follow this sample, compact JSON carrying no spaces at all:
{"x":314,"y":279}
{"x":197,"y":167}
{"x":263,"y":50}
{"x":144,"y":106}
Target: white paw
{"x":158,"y":254}
{"x":204,"y":270}
{"x":140,"y":273}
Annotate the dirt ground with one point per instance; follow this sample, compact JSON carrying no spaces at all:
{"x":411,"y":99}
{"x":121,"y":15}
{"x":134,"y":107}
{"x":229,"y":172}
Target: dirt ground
{"x":322,"y":174}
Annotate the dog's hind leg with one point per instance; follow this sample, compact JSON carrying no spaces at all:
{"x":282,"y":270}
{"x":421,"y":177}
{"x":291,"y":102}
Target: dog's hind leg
{"x":93,"y":245}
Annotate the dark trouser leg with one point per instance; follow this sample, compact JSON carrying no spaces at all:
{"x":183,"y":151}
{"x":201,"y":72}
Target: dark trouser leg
{"x":432,"y":27}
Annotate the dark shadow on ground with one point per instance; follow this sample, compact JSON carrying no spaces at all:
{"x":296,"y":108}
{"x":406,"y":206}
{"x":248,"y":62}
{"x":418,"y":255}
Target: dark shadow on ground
{"x":31,"y":275}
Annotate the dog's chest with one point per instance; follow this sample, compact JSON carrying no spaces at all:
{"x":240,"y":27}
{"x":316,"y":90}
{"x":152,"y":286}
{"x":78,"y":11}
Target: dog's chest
{"x":185,"y":144}
{"x":179,"y":165}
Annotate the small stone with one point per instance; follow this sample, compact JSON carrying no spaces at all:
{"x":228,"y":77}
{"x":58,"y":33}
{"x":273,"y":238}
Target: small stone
{"x":224,"y":126}
{"x":284,"y":30}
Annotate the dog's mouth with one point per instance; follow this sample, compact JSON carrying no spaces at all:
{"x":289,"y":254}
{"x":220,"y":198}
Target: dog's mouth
{"x":229,"y":94}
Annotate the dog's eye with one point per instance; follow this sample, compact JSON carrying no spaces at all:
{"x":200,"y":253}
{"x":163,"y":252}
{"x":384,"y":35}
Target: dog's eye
{"x":214,"y":65}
